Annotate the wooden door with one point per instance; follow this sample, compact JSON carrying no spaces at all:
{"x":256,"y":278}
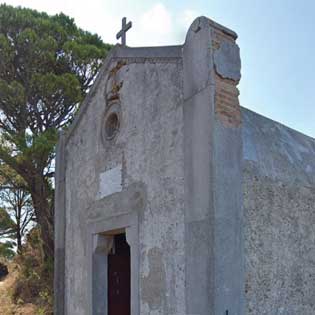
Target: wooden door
{"x":119,"y":277}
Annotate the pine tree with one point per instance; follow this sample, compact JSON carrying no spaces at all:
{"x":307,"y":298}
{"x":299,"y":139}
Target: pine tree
{"x":47,"y":65}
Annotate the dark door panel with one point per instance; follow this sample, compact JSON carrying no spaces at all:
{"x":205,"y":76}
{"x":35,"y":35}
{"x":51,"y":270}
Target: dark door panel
{"x":119,"y":278}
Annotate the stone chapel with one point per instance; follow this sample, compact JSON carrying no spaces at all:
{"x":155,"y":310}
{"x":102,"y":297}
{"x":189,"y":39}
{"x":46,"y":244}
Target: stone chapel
{"x":172,"y":199}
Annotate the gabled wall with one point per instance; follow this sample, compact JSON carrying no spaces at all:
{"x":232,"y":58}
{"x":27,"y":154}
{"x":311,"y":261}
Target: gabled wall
{"x":138,"y":171}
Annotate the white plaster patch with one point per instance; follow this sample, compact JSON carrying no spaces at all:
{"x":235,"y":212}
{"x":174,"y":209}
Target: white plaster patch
{"x":227,"y":61}
{"x":110,"y":182}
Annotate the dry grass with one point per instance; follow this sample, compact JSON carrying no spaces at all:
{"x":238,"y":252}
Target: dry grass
{"x":27,"y":289}
{"x":7,"y":307}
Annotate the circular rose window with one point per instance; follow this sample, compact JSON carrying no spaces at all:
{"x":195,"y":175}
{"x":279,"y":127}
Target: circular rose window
{"x":111,"y":125}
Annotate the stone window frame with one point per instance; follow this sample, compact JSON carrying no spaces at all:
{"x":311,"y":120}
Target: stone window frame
{"x":114,"y":108}
{"x":100,"y":238}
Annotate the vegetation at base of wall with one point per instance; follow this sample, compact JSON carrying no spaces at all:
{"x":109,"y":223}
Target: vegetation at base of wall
{"x":29,"y":283}
{"x":35,"y":280}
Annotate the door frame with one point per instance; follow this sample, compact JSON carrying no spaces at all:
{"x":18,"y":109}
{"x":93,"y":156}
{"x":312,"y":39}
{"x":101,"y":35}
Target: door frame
{"x":99,"y":243}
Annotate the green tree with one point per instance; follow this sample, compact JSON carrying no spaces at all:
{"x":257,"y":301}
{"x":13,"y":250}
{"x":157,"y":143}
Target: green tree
{"x":7,"y":250}
{"x":47,"y":65}
{"x":16,"y":201}
{"x":6,"y":225}
{"x":7,"y":232}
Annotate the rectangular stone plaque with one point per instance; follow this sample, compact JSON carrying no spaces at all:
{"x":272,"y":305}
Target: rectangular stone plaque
{"x":110,"y":182}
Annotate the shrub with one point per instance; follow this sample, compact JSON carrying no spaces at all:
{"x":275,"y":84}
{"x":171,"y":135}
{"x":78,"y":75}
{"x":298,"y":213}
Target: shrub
{"x":35,"y":281}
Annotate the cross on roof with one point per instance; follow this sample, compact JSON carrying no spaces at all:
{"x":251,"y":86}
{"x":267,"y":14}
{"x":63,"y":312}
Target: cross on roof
{"x":122,"y":33}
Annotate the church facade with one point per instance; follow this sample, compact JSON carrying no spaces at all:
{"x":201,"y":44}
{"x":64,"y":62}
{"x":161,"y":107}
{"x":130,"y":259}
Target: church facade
{"x":173,"y":199}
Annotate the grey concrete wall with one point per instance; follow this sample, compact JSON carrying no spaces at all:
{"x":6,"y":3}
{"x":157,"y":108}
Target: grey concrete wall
{"x":279,"y":218}
{"x":213,"y":150}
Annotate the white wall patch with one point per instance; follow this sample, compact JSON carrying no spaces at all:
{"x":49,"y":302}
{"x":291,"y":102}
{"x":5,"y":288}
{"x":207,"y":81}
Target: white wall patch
{"x":110,"y":182}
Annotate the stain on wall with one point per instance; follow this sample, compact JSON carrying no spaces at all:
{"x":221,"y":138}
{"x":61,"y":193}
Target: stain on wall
{"x":154,"y":284}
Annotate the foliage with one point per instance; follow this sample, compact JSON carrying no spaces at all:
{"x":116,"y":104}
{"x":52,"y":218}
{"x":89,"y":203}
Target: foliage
{"x":7,"y":232}
{"x":16,"y":214}
{"x":47,"y":65}
{"x":7,"y":250}
{"x":6,"y":224}
{"x":34,"y":283}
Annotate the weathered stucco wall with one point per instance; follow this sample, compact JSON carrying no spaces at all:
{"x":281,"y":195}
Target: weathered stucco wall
{"x":148,"y":151}
{"x":279,"y":218}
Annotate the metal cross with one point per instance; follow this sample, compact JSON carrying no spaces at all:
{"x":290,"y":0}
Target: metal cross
{"x":122,"y":33}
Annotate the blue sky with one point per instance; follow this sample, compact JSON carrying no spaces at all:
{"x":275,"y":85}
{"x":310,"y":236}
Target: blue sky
{"x":276,"y":40}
